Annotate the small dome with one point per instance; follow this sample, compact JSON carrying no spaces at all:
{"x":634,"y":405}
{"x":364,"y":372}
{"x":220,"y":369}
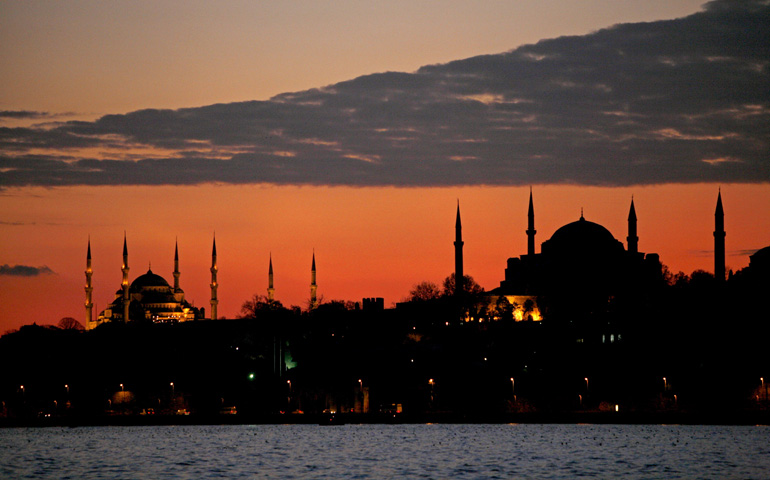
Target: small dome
{"x":149,"y":279}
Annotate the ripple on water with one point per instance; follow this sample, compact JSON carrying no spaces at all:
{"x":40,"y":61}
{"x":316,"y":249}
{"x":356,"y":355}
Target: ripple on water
{"x":386,"y":451}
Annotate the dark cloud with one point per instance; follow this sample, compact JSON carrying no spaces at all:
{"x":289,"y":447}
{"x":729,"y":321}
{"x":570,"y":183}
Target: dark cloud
{"x":21,"y":114}
{"x":24,"y":271}
{"x":684,"y":100}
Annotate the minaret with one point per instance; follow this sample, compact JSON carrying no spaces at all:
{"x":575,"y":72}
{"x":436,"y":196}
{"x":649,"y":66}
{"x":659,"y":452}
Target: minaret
{"x":270,"y":289}
{"x":633,"y":239}
{"x":89,"y":286}
{"x":458,"y":254}
{"x":719,"y":240}
{"x":176,"y":266}
{"x":214,"y":284}
{"x":126,"y":296}
{"x":531,"y":226}
{"x":313,"y":286}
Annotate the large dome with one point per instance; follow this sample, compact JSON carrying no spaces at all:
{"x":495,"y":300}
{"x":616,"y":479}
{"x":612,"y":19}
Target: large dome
{"x":149,"y":279}
{"x":582,"y":237}
{"x":583,"y":231}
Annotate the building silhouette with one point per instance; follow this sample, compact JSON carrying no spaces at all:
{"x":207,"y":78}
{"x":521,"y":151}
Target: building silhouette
{"x":719,"y":240}
{"x":458,"y":254}
{"x":579,"y":269}
{"x":149,"y":298}
{"x":313,"y":286}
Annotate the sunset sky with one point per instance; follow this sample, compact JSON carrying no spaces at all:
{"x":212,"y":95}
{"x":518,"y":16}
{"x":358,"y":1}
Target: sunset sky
{"x":352,"y":128}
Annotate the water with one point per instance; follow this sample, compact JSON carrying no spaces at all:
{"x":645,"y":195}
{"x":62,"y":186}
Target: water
{"x":386,"y":451}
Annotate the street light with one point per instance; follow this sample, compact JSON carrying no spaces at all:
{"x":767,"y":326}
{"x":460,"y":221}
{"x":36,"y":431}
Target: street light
{"x":513,"y":387}
{"x":665,"y":384}
{"x":121,"y":387}
{"x":172,"y":389}
{"x":586,"y":379}
{"x":360,"y":384}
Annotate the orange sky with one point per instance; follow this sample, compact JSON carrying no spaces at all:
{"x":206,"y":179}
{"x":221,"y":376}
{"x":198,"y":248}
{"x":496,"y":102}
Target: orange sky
{"x":368,"y":241}
{"x":83,"y":59}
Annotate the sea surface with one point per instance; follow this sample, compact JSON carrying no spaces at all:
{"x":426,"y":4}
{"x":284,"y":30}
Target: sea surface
{"x":387,"y":451}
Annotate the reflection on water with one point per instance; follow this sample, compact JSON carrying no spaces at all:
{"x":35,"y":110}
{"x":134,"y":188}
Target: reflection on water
{"x":386,"y":451}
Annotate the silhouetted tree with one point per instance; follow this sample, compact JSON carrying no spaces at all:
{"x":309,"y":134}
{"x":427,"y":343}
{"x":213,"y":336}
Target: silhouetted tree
{"x":258,"y":306}
{"x":424,"y":291}
{"x":527,"y":308}
{"x":470,"y":287}
{"x":69,"y":323}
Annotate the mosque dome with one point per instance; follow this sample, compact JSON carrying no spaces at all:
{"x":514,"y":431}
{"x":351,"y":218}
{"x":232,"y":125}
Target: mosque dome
{"x":582,"y":236}
{"x":149,"y":281}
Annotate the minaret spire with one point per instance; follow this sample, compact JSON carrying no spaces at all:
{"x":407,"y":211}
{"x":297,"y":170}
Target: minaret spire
{"x":459,"y":275}
{"x":89,"y":287}
{"x":531,"y":226}
{"x":633,"y":239}
{"x":125,"y":269}
{"x":176,"y":266}
{"x":270,"y":288}
{"x":214,"y":285}
{"x":719,"y":240}
{"x":313,"y":285}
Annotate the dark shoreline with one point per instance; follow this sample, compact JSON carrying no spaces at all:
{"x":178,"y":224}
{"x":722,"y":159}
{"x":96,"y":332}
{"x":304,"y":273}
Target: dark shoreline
{"x":599,"y":418}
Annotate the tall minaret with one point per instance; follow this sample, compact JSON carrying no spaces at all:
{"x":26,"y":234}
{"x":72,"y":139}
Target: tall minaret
{"x":531,"y":226}
{"x":126,"y":296}
{"x":270,"y":289}
{"x":633,"y":239}
{"x":89,"y":286}
{"x":176,"y":266}
{"x":459,"y":276}
{"x":719,"y":240}
{"x":214,"y":284}
{"x":313,"y":286}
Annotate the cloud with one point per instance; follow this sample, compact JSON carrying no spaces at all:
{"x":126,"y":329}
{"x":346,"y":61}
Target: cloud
{"x":684,"y":100}
{"x":21,"y":114}
{"x":24,"y":271}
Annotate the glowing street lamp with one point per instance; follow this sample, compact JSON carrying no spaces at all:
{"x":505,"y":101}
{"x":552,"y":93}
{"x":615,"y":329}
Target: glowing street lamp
{"x":172,"y":388}
{"x":665,"y":384}
{"x":586,"y":379}
{"x":513,"y":387}
{"x":121,"y":387}
{"x":360,"y":384}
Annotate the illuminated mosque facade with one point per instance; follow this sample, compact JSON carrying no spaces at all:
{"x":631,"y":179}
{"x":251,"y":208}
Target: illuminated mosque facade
{"x":149,"y":298}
